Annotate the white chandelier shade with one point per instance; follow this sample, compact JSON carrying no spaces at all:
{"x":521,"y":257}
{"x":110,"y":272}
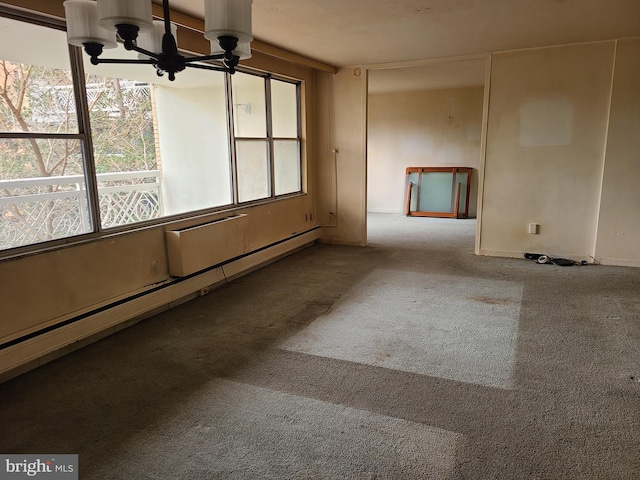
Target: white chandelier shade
{"x":82,"y":25}
{"x":125,"y":12}
{"x":99,"y":24}
{"x":230,"y":18}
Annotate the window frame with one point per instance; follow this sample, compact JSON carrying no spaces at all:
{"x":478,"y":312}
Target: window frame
{"x":84,"y":136}
{"x":269,"y":138}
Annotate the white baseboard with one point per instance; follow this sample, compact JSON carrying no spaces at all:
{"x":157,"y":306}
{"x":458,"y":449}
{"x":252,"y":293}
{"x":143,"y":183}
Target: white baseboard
{"x":509,"y":254}
{"x":500,"y":253}
{"x":618,"y":262}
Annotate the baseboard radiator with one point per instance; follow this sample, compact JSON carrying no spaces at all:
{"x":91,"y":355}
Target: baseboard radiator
{"x":72,"y":333}
{"x":193,"y":249}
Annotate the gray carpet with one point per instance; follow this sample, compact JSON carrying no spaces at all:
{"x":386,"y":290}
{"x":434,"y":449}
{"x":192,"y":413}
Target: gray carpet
{"x":407,"y":359}
{"x":432,"y":324}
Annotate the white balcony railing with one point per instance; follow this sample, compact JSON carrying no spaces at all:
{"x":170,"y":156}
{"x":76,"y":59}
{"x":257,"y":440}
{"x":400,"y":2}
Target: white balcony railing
{"x":35,"y":210}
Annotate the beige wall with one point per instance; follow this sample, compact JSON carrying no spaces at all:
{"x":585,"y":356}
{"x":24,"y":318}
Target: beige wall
{"x":561,"y":151}
{"x":619,"y":220}
{"x":46,"y":288}
{"x":326,"y":161}
{"x":547,"y":126}
{"x":342,"y":205}
{"x":417,"y":129}
{"x":40,"y":290}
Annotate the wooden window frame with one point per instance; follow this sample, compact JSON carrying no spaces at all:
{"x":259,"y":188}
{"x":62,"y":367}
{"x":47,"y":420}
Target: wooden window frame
{"x":455,"y":192}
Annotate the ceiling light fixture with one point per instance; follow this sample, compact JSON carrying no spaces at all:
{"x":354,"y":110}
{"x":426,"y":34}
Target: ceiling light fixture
{"x":97,"y":24}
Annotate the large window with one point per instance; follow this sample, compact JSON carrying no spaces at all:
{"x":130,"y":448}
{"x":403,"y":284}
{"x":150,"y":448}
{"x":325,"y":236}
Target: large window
{"x":286,"y":137}
{"x":43,"y":194}
{"x":137,"y":147}
{"x":267,"y":138}
{"x":160,"y":148}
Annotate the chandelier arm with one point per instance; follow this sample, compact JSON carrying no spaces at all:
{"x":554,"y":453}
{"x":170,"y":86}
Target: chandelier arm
{"x":151,"y":61}
{"x":207,"y":67}
{"x":218,"y":56}
{"x":148,"y":53}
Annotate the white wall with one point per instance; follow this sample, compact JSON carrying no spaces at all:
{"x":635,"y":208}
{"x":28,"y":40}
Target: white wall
{"x":547,"y":125}
{"x":619,"y":220}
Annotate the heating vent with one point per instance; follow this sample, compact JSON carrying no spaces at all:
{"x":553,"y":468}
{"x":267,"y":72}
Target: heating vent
{"x":196,"y":248}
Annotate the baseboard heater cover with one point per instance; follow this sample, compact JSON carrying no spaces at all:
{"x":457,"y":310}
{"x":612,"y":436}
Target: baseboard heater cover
{"x":193,"y":249}
{"x":32,"y":351}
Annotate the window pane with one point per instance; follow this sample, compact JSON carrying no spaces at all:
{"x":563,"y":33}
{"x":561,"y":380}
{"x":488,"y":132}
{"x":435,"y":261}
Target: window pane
{"x":249,"y":106}
{"x":287,"y":165}
{"x":436,"y":192}
{"x":36,"y":82}
{"x":42,"y":191}
{"x":42,"y":183}
{"x":253,"y":170}
{"x":284,"y":104}
{"x":161,"y":148}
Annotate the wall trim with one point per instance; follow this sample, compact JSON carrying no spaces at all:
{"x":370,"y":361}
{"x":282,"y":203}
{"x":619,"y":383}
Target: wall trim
{"x":424,"y":62}
{"x":500,"y":253}
{"x":486,"y":102}
{"x":605,"y":150}
{"x":613,"y":262}
{"x":618,"y":262}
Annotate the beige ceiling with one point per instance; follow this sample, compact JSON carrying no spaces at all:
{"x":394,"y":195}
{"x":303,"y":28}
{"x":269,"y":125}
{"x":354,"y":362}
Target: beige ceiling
{"x":355,"y":32}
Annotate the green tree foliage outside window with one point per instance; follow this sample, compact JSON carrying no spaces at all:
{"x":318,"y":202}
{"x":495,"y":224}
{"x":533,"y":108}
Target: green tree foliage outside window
{"x":121,"y":124}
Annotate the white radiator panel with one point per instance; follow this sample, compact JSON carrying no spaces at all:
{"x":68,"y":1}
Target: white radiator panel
{"x":196,"y":248}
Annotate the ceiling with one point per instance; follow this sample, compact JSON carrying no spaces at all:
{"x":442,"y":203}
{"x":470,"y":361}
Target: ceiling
{"x":373,"y":32}
{"x":357,"y":32}
{"x":429,"y":33}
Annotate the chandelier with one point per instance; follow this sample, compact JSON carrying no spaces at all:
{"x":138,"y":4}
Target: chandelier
{"x":96,"y":25}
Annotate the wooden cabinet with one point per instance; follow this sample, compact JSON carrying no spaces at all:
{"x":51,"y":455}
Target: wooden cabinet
{"x":438,"y":191}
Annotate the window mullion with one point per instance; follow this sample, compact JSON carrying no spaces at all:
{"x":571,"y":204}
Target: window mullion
{"x":303,"y":174}
{"x":233,"y":164}
{"x":84,"y":128}
{"x":271,"y":147}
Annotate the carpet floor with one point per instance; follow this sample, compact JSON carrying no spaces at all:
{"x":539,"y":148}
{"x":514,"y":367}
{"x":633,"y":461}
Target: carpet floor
{"x":410,"y":358}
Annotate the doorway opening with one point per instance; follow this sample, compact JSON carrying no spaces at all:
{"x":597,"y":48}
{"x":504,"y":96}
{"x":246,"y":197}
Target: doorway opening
{"x":430,"y":115}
